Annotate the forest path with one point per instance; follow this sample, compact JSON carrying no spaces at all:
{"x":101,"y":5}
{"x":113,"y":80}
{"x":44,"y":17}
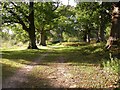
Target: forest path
{"x":61,"y":77}
{"x":21,"y":75}
{"x":60,"y":74}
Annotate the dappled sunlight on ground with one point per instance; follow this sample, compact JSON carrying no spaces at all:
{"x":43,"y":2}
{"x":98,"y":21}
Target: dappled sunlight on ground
{"x":71,"y":76}
{"x":58,"y":67}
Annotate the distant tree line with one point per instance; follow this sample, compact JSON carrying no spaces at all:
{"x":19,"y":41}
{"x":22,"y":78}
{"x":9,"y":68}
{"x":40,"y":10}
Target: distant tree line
{"x":39,"y":22}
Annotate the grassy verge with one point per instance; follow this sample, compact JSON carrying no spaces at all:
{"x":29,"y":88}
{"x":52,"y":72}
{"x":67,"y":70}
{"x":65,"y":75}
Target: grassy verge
{"x":9,"y":68}
{"x":83,"y":57}
{"x":12,"y":60}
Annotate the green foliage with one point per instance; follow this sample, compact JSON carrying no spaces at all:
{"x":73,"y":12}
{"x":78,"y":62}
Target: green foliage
{"x":92,"y":15}
{"x":13,"y":35}
{"x":19,"y":34}
{"x":108,"y":32}
{"x":60,"y":23}
{"x":41,"y":13}
{"x":64,"y":25}
{"x":112,"y":64}
{"x":12,"y":12}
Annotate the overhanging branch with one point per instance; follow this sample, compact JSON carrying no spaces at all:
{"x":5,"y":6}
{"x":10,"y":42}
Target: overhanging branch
{"x":20,"y":10}
{"x":56,"y":6}
{"x":20,"y":21}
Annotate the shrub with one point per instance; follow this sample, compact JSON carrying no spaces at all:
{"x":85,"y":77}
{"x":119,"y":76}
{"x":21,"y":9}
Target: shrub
{"x":112,"y":64}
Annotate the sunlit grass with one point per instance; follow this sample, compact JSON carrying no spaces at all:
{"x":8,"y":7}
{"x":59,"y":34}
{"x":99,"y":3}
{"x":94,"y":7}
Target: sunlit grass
{"x":14,"y":59}
{"x":8,"y":46}
{"x":84,"y":57}
{"x":112,"y":65}
{"x":9,"y":67}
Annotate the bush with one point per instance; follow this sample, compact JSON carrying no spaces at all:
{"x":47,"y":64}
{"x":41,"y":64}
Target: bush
{"x":112,"y":64}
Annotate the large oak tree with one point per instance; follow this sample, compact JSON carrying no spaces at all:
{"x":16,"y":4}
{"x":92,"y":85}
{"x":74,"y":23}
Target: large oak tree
{"x":22,"y":13}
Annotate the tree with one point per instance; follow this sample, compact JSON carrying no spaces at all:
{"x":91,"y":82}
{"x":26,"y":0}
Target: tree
{"x":21,"y":13}
{"x":94,"y":18}
{"x":86,"y":17}
{"x":104,"y":19}
{"x":14,"y":32}
{"x":44,"y":18}
{"x":114,"y":38}
{"x":65,"y":22}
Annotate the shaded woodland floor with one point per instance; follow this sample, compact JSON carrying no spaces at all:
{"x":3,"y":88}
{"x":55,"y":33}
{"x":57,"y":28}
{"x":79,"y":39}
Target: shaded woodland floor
{"x":59,"y":67}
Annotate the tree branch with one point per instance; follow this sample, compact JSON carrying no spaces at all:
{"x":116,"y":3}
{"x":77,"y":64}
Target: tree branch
{"x":9,"y":21}
{"x":20,"y":10}
{"x":56,"y":6}
{"x":19,"y":19}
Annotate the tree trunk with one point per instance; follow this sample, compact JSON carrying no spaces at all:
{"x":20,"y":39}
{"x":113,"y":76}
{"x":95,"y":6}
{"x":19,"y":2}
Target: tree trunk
{"x":31,"y":31}
{"x":98,"y":38}
{"x":102,"y":29}
{"x":88,"y":36}
{"x":102,"y":23}
{"x":32,"y":41}
{"x":85,"y":36}
{"x":115,"y":29}
{"x":43,"y":38}
{"x":60,"y":35}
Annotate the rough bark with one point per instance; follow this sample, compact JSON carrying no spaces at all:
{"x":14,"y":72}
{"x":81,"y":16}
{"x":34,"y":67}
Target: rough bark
{"x":43,"y":38}
{"x":31,"y":31}
{"x":102,"y":25}
{"x":86,"y":37}
{"x":102,"y":29}
{"x":60,"y":35}
{"x":32,"y":41}
{"x":17,"y":18}
{"x":98,"y":38}
{"x":114,"y":38}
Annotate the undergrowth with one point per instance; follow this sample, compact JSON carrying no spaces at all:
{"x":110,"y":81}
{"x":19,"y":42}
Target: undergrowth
{"x":112,"y":64}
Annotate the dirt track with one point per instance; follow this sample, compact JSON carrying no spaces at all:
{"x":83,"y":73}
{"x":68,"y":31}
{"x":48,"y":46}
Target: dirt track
{"x":63,"y":75}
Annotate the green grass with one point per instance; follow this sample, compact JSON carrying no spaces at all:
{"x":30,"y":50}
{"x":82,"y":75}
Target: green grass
{"x":82,"y":56}
{"x":12,"y":60}
{"x":9,"y":68}
{"x":112,"y":64}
